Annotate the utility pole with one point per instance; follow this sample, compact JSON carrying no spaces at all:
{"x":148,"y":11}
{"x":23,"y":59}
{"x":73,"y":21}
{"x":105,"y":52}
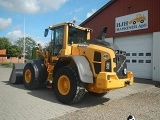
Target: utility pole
{"x":24,"y":46}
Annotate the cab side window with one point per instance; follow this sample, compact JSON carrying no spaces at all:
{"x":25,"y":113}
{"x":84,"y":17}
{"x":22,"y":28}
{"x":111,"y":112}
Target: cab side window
{"x":57,"y":39}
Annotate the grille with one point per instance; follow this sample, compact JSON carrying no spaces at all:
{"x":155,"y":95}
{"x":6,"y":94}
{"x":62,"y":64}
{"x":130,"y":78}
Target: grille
{"x":97,"y":62}
{"x":121,"y":66}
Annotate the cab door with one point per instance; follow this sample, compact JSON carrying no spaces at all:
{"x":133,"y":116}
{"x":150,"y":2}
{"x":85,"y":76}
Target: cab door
{"x":57,"y":40}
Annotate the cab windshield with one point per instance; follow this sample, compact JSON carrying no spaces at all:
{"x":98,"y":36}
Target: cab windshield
{"x":76,"y":35}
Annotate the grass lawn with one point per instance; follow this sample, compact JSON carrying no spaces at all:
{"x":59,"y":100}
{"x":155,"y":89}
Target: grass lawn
{"x":6,"y":64}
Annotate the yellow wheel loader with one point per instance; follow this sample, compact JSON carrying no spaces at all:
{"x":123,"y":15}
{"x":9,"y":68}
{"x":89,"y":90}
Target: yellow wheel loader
{"x":75,"y":63}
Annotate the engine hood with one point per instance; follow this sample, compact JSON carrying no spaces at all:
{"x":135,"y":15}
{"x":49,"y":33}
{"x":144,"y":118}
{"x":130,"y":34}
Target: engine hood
{"x":102,"y":43}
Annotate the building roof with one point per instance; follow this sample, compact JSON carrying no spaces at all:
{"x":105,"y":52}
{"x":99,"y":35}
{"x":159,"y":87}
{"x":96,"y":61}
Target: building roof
{"x":3,"y":52}
{"x":98,"y":11}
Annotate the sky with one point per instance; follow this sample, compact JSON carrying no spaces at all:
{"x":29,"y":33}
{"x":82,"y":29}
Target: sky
{"x":31,"y":17}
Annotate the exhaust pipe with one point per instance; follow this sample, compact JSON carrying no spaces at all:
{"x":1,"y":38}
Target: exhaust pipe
{"x":102,"y":34}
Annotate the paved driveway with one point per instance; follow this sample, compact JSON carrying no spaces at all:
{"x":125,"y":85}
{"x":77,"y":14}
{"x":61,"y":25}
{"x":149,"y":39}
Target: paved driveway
{"x":17,"y":103}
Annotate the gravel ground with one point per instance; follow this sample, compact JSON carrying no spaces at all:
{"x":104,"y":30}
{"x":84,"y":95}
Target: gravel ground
{"x":144,"y":105}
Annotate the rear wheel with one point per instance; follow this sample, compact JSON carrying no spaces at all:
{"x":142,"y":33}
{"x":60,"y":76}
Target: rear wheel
{"x":29,"y":79}
{"x":67,"y":85}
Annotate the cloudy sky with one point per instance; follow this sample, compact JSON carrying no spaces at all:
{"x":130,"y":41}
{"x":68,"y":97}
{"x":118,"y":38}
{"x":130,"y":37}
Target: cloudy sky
{"x":39,"y":14}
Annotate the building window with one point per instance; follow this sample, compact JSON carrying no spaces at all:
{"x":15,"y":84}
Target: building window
{"x":128,"y":61}
{"x":134,"y":54}
{"x":140,"y":61}
{"x":140,"y":54}
{"x":134,"y":61}
{"x":148,"y":61}
{"x":127,"y":54}
{"x":148,"y":54}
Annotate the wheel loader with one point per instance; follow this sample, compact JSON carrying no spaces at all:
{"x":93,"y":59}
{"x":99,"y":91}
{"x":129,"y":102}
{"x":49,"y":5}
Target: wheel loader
{"x":75,"y":64}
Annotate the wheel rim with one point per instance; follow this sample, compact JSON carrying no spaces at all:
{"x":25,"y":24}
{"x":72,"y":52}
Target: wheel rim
{"x":28,"y":76}
{"x":64,"y":85}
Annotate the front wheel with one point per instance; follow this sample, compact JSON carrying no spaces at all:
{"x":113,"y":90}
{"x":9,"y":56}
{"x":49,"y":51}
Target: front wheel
{"x":67,"y":85}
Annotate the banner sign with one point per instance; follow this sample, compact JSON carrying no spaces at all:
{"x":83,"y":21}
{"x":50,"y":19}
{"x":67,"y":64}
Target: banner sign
{"x":132,"y":22}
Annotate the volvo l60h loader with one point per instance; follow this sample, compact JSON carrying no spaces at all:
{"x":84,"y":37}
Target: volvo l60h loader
{"x":74,"y":64}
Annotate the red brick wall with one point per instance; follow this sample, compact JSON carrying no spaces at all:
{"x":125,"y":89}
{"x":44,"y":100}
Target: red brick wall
{"x":3,"y":52}
{"x":11,"y":60}
{"x":121,"y":8}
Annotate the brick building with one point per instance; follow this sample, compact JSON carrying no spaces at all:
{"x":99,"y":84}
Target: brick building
{"x":4,"y":59}
{"x":134,"y":25}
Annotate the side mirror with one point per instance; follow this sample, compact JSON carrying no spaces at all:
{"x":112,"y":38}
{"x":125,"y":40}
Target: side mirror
{"x":46,"y":32}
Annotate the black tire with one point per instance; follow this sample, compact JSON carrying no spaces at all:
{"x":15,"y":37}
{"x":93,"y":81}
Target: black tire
{"x":42,"y":76}
{"x":97,"y":94}
{"x":30,"y":82}
{"x":74,"y":92}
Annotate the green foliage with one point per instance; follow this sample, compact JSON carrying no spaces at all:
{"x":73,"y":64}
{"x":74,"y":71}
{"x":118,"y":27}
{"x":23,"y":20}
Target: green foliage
{"x":14,"y":51}
{"x":4,"y":43}
{"x":34,"y":53}
{"x":17,"y":49}
{"x":6,"y":64}
{"x":29,"y":45}
{"x":11,"y":50}
{"x":48,"y":46}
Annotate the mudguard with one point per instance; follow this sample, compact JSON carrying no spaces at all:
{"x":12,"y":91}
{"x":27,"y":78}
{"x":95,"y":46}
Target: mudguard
{"x":84,"y":70}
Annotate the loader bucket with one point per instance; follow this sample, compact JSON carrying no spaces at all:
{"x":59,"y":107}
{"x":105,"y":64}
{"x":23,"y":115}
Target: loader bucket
{"x":17,"y":73}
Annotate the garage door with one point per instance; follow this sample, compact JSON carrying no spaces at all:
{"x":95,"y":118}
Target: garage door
{"x":139,"y":54}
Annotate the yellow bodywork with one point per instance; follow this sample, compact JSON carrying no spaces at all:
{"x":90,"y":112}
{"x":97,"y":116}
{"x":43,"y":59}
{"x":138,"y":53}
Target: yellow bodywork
{"x":103,"y":81}
{"x":108,"y":81}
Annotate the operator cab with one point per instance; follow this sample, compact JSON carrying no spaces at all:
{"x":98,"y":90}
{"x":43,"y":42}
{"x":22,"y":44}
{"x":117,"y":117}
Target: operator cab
{"x":66,"y":34}
{"x":76,"y":36}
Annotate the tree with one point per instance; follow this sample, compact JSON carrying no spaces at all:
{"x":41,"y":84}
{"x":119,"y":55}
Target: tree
{"x":4,"y":43}
{"x":29,"y":44}
{"x":14,"y":51}
{"x":48,"y":46}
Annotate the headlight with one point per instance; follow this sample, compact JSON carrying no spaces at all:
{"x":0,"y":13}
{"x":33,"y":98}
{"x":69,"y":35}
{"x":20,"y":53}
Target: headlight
{"x":71,"y":24}
{"x":88,"y":30}
{"x":117,"y":51}
{"x":105,"y":56}
{"x":108,"y":66}
{"x":125,"y":71}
